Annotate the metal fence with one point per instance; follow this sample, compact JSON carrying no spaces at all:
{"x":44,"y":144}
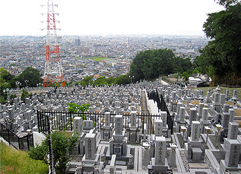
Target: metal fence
{"x":61,"y":119}
{"x":20,"y":143}
{"x":161,"y":104}
{"x":64,"y":120}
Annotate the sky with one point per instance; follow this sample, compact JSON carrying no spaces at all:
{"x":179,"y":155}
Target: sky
{"x":107,"y":17}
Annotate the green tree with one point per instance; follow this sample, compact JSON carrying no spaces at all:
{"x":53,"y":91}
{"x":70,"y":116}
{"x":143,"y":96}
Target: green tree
{"x":122,"y":80}
{"x":74,"y":108}
{"x":62,"y":146}
{"x":32,"y":75}
{"x":185,"y":76}
{"x":24,"y":94}
{"x":6,"y":81}
{"x":223,"y":52}
{"x":227,"y":3}
{"x":100,"y":81}
{"x":39,"y":152}
{"x":87,"y":81}
{"x":150,"y":64}
{"x":178,"y":76}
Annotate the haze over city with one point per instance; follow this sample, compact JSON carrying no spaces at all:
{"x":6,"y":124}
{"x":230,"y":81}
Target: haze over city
{"x":108,"y":17}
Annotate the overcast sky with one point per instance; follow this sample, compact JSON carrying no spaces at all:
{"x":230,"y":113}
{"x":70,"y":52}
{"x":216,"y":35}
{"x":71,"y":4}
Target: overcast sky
{"x":101,"y":17}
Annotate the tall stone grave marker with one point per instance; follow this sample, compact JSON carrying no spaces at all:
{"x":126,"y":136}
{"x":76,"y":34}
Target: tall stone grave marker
{"x":133,"y":118}
{"x":233,"y":130}
{"x":158,"y":127}
{"x":90,"y":146}
{"x":195,"y":134}
{"x":78,"y":125}
{"x":160,"y":150}
{"x":118,"y":124}
{"x":159,"y":163}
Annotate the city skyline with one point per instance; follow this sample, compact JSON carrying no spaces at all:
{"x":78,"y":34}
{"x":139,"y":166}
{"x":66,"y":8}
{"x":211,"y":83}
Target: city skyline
{"x":108,"y":17}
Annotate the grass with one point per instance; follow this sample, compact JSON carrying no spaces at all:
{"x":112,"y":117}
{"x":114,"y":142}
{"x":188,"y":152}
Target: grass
{"x":96,"y":58}
{"x":223,"y":90}
{"x":167,"y":80}
{"x":17,"y":162}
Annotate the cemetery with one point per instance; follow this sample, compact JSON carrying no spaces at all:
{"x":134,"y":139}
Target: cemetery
{"x":144,"y":127}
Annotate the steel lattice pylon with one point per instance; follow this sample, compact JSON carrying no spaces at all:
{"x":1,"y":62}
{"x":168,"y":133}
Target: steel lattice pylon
{"x":53,"y":71}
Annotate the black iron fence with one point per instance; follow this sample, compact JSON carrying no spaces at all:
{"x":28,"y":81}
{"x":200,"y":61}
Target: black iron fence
{"x":161,"y":104}
{"x":20,"y":143}
{"x":64,"y":120}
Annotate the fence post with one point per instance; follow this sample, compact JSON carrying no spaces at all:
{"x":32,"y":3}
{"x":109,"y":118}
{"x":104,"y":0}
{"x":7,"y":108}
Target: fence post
{"x":18,"y":143}
{"x":8,"y":138}
{"x":28,"y":141}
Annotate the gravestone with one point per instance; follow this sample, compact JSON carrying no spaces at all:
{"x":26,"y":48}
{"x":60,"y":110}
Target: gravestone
{"x":159,"y":163}
{"x":145,"y":155}
{"x":164,"y":118}
{"x":181,"y":121}
{"x":10,"y":113}
{"x":90,"y":159}
{"x":195,"y":134}
{"x":106,"y":132}
{"x":225,"y":121}
{"x":194,"y":149}
{"x":118,"y":124}
{"x":205,"y":115}
{"x":160,"y":150}
{"x":231,"y":113}
{"x":78,"y":125}
{"x":133,"y":118}
{"x":158,"y":127}
{"x":200,"y":110}
{"x":233,"y":130}
{"x":90,"y":146}
{"x":231,"y":148}
{"x":87,"y":124}
{"x":204,"y":121}
{"x":227,"y":97}
{"x":172,"y":160}
{"x":232,"y":153}
{"x":193,"y":115}
{"x":188,"y":101}
{"x":222,"y":99}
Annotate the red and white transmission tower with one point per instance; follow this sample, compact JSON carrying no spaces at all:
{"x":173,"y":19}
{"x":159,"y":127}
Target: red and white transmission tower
{"x":53,"y":71}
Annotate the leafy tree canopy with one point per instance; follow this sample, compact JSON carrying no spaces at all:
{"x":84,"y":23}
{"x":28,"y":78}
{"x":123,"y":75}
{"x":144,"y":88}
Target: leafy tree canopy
{"x":122,"y":80}
{"x":150,"y":64}
{"x":32,"y":75}
{"x":62,"y":146}
{"x":87,"y":81}
{"x":224,"y":51}
{"x":7,"y":80}
{"x":227,"y":3}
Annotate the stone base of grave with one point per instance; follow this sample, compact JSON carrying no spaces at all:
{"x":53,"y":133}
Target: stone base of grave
{"x":203,"y":124}
{"x":157,"y":168}
{"x":106,"y":133}
{"x":222,"y":151}
{"x":196,"y":155}
{"x":217,"y":107}
{"x":179,"y":124}
{"x":89,"y":165}
{"x":224,"y":168}
{"x":133,"y":135}
{"x":165,"y":131}
{"x":195,"y":151}
{"x":121,"y":157}
{"x":118,"y":138}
